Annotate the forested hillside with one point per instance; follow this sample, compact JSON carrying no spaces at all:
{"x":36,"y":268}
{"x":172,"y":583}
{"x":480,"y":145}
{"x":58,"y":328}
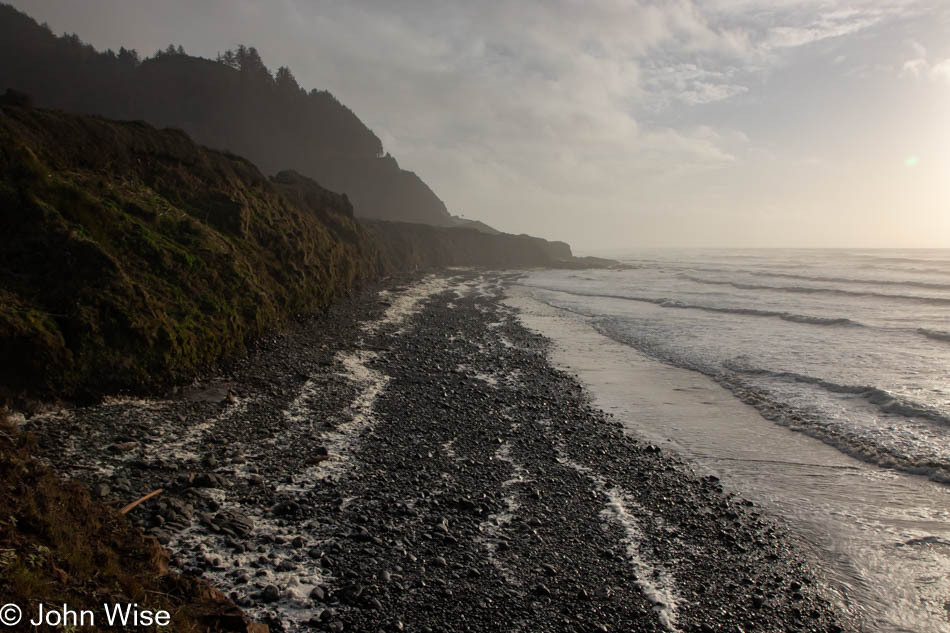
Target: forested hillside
{"x":233,"y":103}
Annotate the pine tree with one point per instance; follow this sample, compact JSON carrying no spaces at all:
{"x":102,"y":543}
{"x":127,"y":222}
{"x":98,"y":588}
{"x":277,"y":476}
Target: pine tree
{"x":285,"y":80}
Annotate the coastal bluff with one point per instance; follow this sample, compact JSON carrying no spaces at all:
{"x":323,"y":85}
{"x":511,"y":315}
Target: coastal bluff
{"x":134,"y":258}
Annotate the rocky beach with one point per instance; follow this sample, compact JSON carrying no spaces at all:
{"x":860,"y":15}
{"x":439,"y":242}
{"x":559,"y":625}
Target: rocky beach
{"x":411,"y":461}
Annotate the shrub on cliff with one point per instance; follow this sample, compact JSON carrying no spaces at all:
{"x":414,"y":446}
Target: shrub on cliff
{"x":133,"y":256}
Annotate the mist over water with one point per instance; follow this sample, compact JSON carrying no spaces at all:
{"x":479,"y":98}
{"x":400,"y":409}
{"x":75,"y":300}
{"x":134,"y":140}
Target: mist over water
{"x":846,"y":350}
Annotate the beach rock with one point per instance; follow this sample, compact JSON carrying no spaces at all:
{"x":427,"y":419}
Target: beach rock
{"x":285,"y":508}
{"x":270,"y":593}
{"x":235,"y":521}
{"x":286,"y":565}
{"x":209,"y":480}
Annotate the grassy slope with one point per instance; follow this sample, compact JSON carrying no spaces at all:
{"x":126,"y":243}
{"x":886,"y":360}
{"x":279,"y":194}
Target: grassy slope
{"x":132,"y":255}
{"x":48,"y":556}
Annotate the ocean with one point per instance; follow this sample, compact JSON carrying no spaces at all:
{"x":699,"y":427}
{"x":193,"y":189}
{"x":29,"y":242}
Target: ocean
{"x":813,"y":382}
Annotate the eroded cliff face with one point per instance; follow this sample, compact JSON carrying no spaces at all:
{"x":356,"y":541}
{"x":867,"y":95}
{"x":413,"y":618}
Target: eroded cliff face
{"x":133,"y":257}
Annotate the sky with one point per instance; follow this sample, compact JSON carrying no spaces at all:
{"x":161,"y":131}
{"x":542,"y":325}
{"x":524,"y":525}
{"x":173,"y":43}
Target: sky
{"x":614,"y":124}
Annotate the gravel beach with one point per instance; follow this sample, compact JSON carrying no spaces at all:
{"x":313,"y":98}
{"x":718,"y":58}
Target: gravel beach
{"x":411,"y":461}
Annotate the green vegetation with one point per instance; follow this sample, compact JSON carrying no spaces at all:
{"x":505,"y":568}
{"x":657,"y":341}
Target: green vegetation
{"x":132,"y":257}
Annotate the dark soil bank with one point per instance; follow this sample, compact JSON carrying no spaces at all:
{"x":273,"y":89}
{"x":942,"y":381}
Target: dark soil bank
{"x":432,"y":472}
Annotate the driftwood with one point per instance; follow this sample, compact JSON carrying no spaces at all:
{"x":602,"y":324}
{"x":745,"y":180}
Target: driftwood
{"x":129,"y":507}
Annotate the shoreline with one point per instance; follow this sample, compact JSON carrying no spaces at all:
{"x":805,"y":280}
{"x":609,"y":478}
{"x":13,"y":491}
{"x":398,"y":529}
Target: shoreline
{"x":876,"y":536}
{"x":414,"y":461}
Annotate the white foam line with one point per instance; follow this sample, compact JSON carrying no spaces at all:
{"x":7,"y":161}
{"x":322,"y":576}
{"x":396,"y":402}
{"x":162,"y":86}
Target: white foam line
{"x":408,"y":303}
{"x":180,"y":443}
{"x":654,"y":581}
{"x":465,"y":289}
{"x":298,"y":410}
{"x":341,"y":441}
{"x":188,"y":443}
{"x":484,"y":287}
{"x":657,"y":585}
{"x":486,"y":378}
{"x":138,"y":403}
{"x":495,"y":523}
{"x":519,"y":474}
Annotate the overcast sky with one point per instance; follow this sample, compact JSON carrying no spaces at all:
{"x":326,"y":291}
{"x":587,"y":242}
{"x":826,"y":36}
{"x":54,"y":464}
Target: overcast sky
{"x":616,"y":123}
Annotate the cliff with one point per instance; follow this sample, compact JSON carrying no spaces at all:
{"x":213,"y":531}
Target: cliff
{"x":133,"y":257}
{"x":233,"y":104}
{"x":131,"y":253}
{"x":406,"y":246}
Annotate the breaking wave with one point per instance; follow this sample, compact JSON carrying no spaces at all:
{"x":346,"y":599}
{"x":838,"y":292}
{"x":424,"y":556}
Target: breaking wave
{"x":813,"y":290}
{"x":937,"y":335}
{"x":885,"y":401}
{"x":930,"y":285}
{"x":848,"y":439}
{"x":674,"y":303}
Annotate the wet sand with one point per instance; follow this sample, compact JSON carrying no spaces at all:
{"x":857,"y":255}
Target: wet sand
{"x":879,"y":538}
{"x":412,"y":461}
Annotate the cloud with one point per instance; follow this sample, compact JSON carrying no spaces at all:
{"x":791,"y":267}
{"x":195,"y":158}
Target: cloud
{"x":690,"y":84}
{"x":941,"y":71}
{"x":515,"y":111}
{"x":921,"y":68}
{"x":914,"y":67}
